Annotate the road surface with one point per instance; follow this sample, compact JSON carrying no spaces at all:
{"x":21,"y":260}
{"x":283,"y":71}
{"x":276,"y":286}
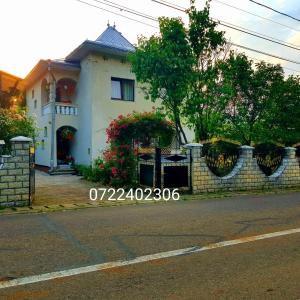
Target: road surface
{"x":139,"y":243}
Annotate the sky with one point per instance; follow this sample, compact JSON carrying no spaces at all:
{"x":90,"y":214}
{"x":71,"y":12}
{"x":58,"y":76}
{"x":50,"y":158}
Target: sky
{"x":50,"y":29}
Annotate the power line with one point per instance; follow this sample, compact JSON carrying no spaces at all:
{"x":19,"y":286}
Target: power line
{"x":265,"y":53}
{"x":258,"y":36}
{"x":290,"y":69}
{"x":236,"y":45}
{"x":273,"y":9}
{"x":120,"y":15}
{"x":253,"y":14}
{"x":237,"y":28}
{"x":126,"y":9}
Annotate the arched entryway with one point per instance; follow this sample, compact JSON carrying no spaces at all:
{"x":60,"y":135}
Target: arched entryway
{"x":65,"y":90}
{"x":65,"y":137}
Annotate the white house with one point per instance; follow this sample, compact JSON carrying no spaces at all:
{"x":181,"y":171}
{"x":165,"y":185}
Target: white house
{"x":83,"y":93}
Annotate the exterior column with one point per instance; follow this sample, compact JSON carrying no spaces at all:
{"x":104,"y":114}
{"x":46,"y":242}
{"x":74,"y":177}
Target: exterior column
{"x":52,"y":96}
{"x":196,"y":153}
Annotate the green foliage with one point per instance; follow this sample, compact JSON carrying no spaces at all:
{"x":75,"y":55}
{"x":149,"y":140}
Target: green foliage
{"x":285,"y":118}
{"x":251,"y":94}
{"x":164,"y":65}
{"x":204,"y":105}
{"x":14,"y":124}
{"x":141,"y":127}
{"x":118,"y":166}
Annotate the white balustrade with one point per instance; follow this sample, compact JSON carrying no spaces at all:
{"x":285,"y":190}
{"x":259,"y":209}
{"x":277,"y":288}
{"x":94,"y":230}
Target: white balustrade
{"x":61,"y":109}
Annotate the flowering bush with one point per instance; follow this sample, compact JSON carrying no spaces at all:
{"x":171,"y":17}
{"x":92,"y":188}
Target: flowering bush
{"x":14,"y":123}
{"x":117,"y":167}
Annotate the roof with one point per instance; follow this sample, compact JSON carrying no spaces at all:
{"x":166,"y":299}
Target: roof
{"x":111,"y":37}
{"x":110,"y":42}
{"x":42,"y":67}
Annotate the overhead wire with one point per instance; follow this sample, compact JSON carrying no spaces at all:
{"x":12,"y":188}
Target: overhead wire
{"x":181,"y":9}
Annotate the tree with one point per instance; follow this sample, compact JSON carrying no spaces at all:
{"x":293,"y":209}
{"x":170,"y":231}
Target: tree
{"x":163,"y":64}
{"x":251,"y":94}
{"x":285,"y":121}
{"x":205,"y":105}
{"x":179,"y":67}
{"x":14,"y":123}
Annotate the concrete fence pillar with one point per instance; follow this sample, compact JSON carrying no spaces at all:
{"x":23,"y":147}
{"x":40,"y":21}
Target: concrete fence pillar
{"x":246,"y":152}
{"x":290,"y":152}
{"x":196,"y":154}
{"x":14,"y":175}
{"x":196,"y":150}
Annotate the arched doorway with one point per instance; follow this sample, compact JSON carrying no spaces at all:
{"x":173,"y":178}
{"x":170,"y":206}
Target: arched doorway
{"x":65,"y":136}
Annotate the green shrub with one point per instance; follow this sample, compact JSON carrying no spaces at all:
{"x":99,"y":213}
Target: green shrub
{"x":14,"y":124}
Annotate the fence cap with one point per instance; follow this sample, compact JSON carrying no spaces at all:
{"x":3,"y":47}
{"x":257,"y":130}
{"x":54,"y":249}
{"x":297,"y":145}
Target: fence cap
{"x":290,"y":148}
{"x":192,"y":145}
{"x":246,"y":147}
{"x":2,"y":142}
{"x":21,"y":139}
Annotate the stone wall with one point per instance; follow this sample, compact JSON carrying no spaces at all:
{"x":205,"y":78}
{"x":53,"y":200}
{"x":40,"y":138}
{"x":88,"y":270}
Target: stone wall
{"x":14,"y":174}
{"x":246,"y":174}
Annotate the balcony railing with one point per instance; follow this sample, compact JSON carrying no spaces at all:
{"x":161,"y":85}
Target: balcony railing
{"x":61,"y":109}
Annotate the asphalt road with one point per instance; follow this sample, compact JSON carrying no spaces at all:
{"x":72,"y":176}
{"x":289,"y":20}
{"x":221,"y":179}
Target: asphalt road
{"x":263,"y":269}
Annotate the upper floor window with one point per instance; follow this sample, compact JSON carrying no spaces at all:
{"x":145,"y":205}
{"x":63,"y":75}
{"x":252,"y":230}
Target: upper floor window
{"x":32,"y":93}
{"x":122,"y":89}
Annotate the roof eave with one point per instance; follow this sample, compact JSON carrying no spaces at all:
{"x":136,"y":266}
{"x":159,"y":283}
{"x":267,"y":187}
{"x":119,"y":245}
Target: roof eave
{"x":88,"y":47}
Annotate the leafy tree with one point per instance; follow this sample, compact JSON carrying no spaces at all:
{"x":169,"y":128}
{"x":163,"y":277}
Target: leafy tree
{"x":14,"y":123}
{"x":179,"y":67}
{"x":205,"y":105}
{"x":251,"y":96}
{"x":163,"y":64}
{"x":285,"y":121}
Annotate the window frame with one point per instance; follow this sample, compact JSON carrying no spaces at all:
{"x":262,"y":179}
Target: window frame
{"x":122,"y":81}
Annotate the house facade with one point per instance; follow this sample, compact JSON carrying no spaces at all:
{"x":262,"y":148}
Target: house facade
{"x":75,"y":99}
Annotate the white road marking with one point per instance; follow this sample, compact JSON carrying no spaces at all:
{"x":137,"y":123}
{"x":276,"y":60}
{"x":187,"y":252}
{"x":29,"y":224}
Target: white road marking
{"x":140,"y":259}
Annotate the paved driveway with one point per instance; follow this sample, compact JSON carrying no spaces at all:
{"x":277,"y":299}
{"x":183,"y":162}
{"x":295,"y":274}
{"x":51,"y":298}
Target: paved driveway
{"x":60,"y":189}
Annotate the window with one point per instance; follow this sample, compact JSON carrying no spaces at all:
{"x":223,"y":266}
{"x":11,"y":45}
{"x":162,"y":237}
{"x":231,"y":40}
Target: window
{"x":122,"y":89}
{"x":32,"y":94}
{"x":35,"y":104}
{"x":45,"y":131}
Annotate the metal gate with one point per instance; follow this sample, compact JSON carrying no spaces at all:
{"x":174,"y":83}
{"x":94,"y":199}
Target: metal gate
{"x":164,"y":167}
{"x":31,"y":174}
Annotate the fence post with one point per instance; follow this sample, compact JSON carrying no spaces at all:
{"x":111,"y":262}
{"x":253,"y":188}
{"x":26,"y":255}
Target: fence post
{"x":157,"y":167}
{"x":290,"y":152}
{"x":195,"y":156}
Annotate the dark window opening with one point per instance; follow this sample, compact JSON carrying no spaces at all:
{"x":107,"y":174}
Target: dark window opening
{"x":122,"y":89}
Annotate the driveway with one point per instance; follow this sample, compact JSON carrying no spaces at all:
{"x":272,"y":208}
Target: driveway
{"x":58,"y":189}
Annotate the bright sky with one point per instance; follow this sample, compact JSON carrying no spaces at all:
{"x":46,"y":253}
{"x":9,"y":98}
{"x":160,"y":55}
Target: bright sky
{"x":42,"y":29}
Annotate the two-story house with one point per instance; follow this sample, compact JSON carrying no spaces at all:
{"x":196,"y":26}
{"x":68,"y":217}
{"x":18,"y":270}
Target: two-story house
{"x":74,"y":100}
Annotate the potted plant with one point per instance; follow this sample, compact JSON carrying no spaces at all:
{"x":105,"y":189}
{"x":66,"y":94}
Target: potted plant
{"x":67,"y":134}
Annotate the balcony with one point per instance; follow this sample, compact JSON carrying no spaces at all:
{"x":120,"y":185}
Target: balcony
{"x":61,"y":109}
